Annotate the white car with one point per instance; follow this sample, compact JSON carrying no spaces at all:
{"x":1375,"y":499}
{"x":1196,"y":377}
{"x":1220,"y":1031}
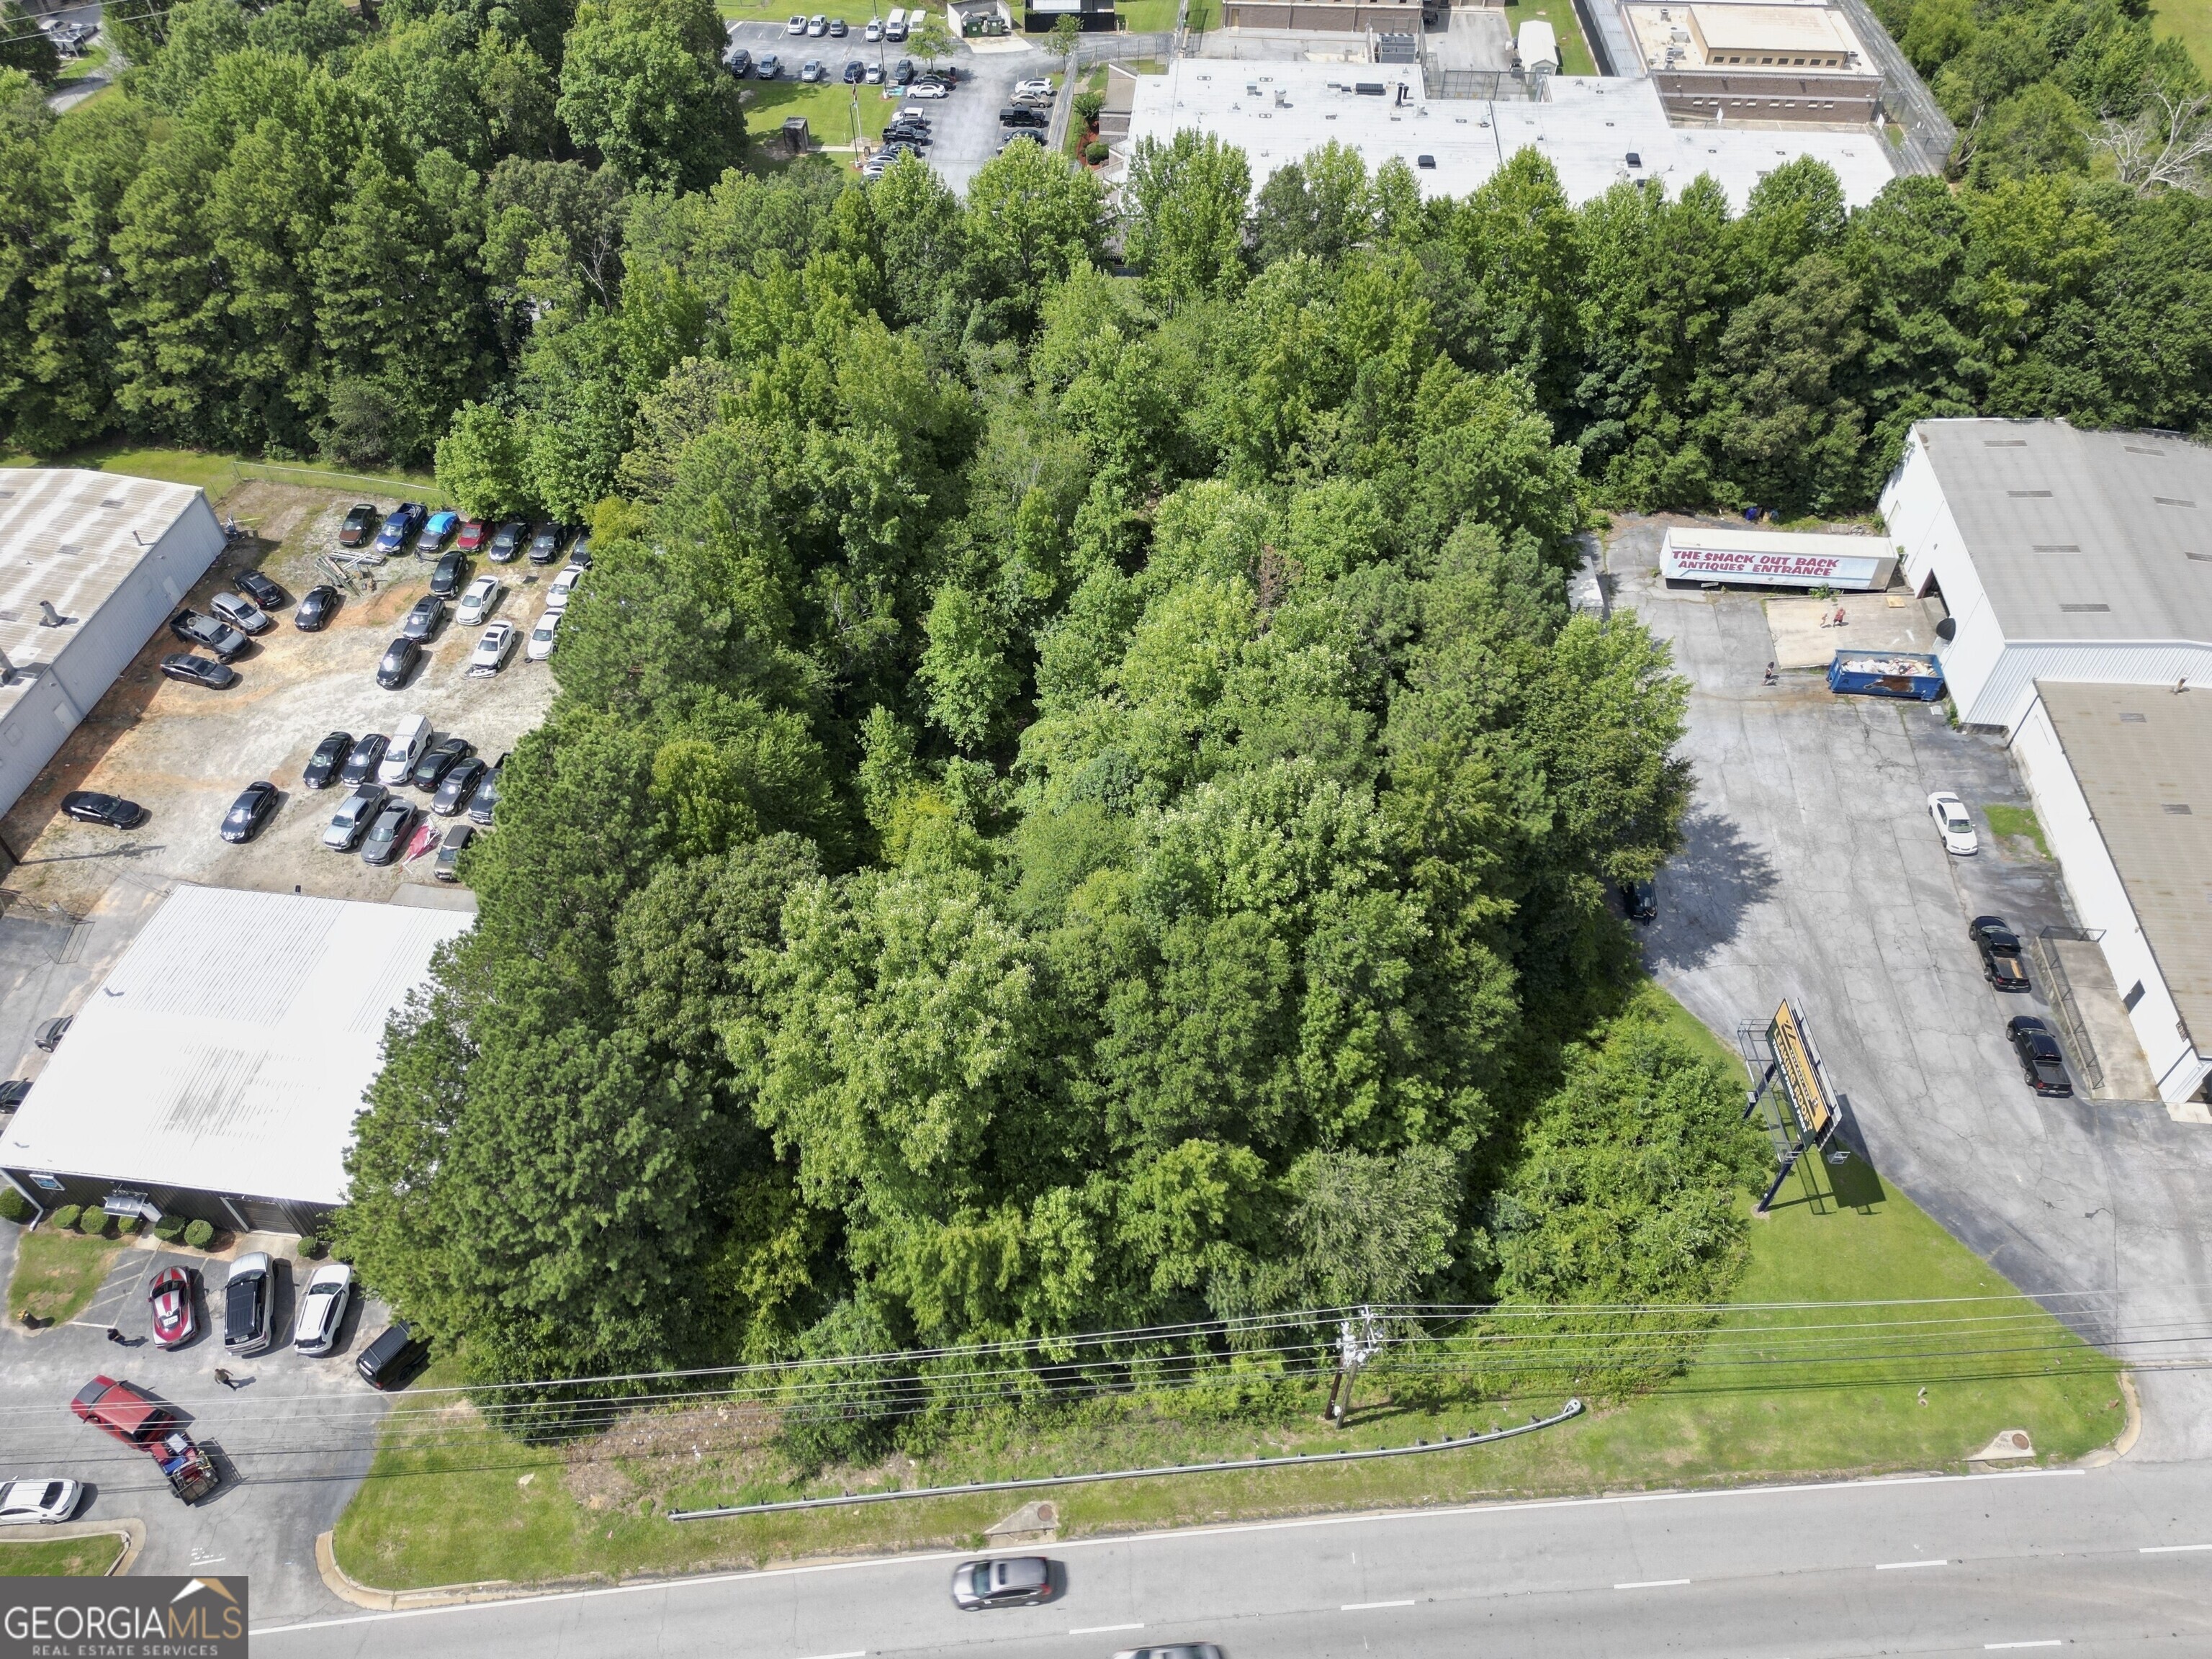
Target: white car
{"x":37,"y":1503}
{"x":322,"y":1307}
{"x":796,"y":26}
{"x":493,"y":650}
{"x":819,"y":24}
{"x":476,"y":601}
{"x":1953,"y":823}
{"x":351,"y":821}
{"x":556,"y":597}
{"x":1039,"y":87}
{"x":928,"y":89}
{"x":541,"y":637}
{"x":874,"y":32}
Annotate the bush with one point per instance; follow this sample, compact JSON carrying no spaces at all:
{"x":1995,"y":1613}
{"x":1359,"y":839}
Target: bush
{"x":125,"y":1225}
{"x":94,"y":1221}
{"x":169,"y":1229}
{"x":1094,"y":152}
{"x":66,"y":1215}
{"x":13,"y":1206}
{"x":1088,"y":107}
{"x":198,"y":1234}
{"x":310,"y":1247}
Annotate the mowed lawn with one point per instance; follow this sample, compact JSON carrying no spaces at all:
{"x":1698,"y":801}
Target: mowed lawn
{"x":1782,"y":1391}
{"x":57,"y":1274}
{"x":59,"y":1558}
{"x":2189,"y":22}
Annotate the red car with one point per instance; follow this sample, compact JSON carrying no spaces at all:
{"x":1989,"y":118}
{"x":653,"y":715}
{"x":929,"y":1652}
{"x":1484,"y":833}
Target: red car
{"x":471,"y":537}
{"x":154,"y":1428}
{"x":170,"y":1296}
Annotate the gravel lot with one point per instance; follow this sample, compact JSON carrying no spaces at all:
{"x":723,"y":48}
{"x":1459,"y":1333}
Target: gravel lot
{"x":185,"y":752}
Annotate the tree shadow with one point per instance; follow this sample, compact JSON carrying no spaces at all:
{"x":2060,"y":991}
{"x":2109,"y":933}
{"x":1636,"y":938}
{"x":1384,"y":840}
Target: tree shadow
{"x":1705,"y":890}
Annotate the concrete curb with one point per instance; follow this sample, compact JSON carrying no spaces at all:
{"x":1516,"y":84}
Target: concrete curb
{"x":2131,"y":1432}
{"x":131,"y":1532}
{"x":342,"y":1585}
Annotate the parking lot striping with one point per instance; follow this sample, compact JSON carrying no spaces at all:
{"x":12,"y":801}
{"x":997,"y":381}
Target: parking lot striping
{"x":1652,"y":1584}
{"x":1368,"y":1607}
{"x":1101,"y":1630}
{"x":1900,"y":1566}
{"x":2172,"y":1549}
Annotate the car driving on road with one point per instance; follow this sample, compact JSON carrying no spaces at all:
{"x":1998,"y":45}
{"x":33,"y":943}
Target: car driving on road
{"x":1953,"y":823}
{"x":249,"y":1300}
{"x":1014,"y":1581}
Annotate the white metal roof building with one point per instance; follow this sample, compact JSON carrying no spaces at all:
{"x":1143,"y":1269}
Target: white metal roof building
{"x":2061,"y":555}
{"x":217,"y":1072}
{"x":2122,"y":778}
{"x":109,"y":555}
{"x":1596,"y":131}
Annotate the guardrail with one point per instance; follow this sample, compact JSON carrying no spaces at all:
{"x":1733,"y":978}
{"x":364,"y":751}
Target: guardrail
{"x":1572,"y":1408}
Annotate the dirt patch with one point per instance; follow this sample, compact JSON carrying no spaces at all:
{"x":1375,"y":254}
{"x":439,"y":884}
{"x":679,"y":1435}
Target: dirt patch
{"x":653,"y":1451}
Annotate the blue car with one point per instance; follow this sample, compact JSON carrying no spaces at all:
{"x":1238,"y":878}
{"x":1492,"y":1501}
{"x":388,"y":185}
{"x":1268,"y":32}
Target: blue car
{"x":437,"y":529}
{"x":400,"y":525}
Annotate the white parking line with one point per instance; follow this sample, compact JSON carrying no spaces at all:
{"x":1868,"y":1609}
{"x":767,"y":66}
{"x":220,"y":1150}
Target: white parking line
{"x":1365,"y":1607}
{"x":1101,"y":1630}
{"x":2172,"y":1549}
{"x":1652,"y":1584}
{"x":1900,"y":1566}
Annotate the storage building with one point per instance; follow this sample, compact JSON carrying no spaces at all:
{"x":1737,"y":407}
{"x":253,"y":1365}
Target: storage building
{"x":217,"y":1072}
{"x":90,"y":565}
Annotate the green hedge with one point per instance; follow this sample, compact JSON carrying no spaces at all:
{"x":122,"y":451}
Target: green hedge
{"x":93,"y":1220}
{"x":13,"y":1206}
{"x":198,"y":1234}
{"x":169,"y":1229}
{"x":66,"y":1215}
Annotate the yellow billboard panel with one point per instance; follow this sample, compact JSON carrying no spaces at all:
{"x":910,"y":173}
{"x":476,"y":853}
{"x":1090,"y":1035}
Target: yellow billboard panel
{"x":1800,"y":1077}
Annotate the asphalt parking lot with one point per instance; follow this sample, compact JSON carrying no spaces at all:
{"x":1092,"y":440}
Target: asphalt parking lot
{"x":1812,"y":871}
{"x":292,"y":1444}
{"x":185,"y":752}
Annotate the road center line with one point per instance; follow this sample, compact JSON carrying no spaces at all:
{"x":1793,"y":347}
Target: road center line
{"x":1652,"y":1584}
{"x":857,"y":1653}
{"x":2172,"y":1549}
{"x":1101,"y":1630}
{"x":1367,"y":1606}
{"x":1900,"y":1566}
{"x":1995,"y":1647}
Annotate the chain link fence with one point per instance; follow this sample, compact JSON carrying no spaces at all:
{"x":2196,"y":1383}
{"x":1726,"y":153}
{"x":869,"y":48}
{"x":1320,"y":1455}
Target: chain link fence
{"x":1928,"y":135}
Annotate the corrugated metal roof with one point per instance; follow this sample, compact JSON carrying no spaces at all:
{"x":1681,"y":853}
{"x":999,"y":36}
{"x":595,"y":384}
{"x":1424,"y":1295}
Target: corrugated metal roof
{"x":70,"y":536}
{"x":2081,"y":535}
{"x":229,"y":1047}
{"x":2143,"y":757}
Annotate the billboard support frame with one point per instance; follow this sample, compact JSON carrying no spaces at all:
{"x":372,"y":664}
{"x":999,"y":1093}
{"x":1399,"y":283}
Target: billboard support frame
{"x":1803,"y":1115}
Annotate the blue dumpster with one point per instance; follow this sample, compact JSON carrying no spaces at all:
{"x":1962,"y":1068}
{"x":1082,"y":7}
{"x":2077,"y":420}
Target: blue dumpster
{"x":1887,"y":674}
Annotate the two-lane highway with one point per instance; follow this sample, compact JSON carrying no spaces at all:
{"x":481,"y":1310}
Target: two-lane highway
{"x":2113,"y":1560}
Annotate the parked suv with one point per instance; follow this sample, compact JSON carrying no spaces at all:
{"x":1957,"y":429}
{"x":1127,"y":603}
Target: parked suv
{"x":249,"y":1298}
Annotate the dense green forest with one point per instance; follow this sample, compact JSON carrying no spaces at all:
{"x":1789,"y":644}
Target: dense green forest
{"x":1076,"y":798}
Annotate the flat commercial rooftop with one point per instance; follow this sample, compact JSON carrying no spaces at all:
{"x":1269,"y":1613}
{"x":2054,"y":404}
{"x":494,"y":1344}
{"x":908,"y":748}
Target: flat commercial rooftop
{"x":70,"y":538}
{"x":229,"y":1049}
{"x":1587,"y":126}
{"x":2139,"y":754}
{"x":2080,"y":536}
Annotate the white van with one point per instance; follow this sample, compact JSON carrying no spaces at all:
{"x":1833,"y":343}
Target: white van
{"x":409,"y":739}
{"x":895,"y":25}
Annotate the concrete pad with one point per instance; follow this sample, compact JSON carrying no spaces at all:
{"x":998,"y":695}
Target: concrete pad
{"x":1806,"y":634}
{"x":2126,"y":1073}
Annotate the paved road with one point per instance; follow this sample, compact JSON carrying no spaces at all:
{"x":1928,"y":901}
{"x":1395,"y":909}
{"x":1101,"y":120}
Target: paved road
{"x":2105,"y":1561}
{"x":1812,"y":871}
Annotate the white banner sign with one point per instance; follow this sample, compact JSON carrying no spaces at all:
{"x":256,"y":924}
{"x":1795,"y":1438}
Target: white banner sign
{"x":1777,"y":560}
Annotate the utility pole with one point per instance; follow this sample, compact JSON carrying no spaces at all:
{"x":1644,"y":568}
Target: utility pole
{"x":1356,"y":1343}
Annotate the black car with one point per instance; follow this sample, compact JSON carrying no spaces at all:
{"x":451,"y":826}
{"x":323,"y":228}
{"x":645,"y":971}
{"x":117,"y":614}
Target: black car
{"x":453,"y":572}
{"x":485,"y":801}
{"x":249,"y":1298}
{"x":902,"y":71}
{"x":260,"y":589}
{"x":87,"y":807}
{"x":388,"y":834}
{"x":506,"y":541}
{"x":360,"y":525}
{"x":317,"y":606}
{"x":219,"y":637}
{"x":198,"y":670}
{"x":393,"y":1358}
{"x":424,"y":619}
{"x":249,"y":812}
{"x":546,"y":543}
{"x":739,"y":62}
{"x":580,"y":556}
{"x":457,"y":786}
{"x":399,"y":660}
{"x":439,"y":758}
{"x":2000,"y":952}
{"x":448,"y":865}
{"x":2041,"y":1061}
{"x":361,"y":765}
{"x":1015,"y":115}
{"x":13,"y":1092}
{"x":330,"y":755}
{"x":1640,"y":899}
{"x":48,"y":1037}
{"x":855,"y":68}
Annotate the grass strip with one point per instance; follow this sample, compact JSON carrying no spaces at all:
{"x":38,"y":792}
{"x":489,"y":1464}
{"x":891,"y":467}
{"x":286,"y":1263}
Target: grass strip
{"x":60,"y":1558}
{"x":57,"y":1274}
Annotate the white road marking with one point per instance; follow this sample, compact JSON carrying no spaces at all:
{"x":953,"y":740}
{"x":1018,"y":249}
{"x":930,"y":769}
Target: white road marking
{"x":2172,"y":1549}
{"x":1900,"y":1566}
{"x":1996,"y":1647}
{"x":857,"y":1653}
{"x":1176,"y":1535}
{"x":1365,"y":1607}
{"x":1101,"y":1630}
{"x":1652,"y":1584}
